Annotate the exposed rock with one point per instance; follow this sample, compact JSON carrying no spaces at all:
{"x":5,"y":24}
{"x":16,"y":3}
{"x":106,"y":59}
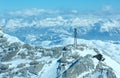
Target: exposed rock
{"x":34,"y":63}
{"x":48,"y":52}
{"x":4,"y":67}
{"x":75,"y":56}
{"x":110,"y":74}
{"x":63,"y":60}
{"x":56,"y":52}
{"x":22,"y":55}
{"x":4,"y":76}
{"x":100,"y":76}
{"x":14,"y":46}
{"x":99,"y":66}
{"x":82,"y":49}
{"x":10,"y":51}
{"x":20,"y":65}
{"x":35,"y":69}
{"x":22,"y":72}
{"x":27,"y":46}
{"x":1,"y":35}
{"x":8,"y":56}
{"x":4,"y":39}
{"x":96,"y":50}
{"x":84,"y":64}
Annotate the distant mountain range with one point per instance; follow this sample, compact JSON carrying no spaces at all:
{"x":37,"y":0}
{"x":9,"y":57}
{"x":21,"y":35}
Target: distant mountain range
{"x":37,"y":25}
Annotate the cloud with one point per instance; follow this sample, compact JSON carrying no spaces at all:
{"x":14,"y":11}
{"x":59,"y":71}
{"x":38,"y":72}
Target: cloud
{"x":28,"y":12}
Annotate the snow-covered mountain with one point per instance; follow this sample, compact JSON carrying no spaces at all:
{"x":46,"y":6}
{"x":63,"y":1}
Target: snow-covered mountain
{"x":38,"y":51}
{"x":20,"y":60}
{"x":33,"y":25}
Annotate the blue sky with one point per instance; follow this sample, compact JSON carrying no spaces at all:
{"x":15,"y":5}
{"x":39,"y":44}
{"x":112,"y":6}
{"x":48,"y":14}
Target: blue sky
{"x":58,"y":4}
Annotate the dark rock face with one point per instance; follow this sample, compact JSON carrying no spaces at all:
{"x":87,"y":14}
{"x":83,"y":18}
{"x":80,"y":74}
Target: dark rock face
{"x":9,"y":49}
{"x":103,"y":71}
{"x":12,"y":51}
{"x":8,"y":56}
{"x":110,"y":74}
{"x":22,"y":72}
{"x":20,"y":65}
{"x":35,"y":69}
{"x":34,"y":63}
{"x":84,"y":64}
{"x":4,"y":68}
{"x":27,"y":46}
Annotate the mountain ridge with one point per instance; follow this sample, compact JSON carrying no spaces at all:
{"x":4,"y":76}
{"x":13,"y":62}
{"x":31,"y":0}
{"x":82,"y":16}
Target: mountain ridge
{"x":36,"y":61}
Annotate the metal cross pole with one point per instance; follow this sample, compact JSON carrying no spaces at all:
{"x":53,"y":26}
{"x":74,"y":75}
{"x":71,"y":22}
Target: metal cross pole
{"x":75,"y":37}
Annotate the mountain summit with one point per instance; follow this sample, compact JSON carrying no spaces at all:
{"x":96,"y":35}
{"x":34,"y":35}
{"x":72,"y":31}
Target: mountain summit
{"x":20,"y":60}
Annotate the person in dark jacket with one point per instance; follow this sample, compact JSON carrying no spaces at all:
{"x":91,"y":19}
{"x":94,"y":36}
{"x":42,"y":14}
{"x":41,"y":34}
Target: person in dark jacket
{"x":99,"y":57}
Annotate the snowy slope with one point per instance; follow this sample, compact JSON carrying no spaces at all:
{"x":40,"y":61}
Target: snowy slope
{"x":39,"y":62}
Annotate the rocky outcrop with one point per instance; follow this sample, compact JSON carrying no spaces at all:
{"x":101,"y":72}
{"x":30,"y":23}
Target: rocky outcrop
{"x":35,"y":69}
{"x":22,"y":73}
{"x":9,"y":50}
{"x":4,"y":68}
{"x":110,"y":74}
{"x":21,"y":65}
{"x":83,"y":65}
{"x":8,"y":56}
{"x":101,"y":71}
{"x":35,"y":60}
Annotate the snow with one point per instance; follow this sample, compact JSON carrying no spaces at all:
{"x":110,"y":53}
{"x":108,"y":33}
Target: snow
{"x":105,"y":47}
{"x":95,"y":61}
{"x":31,"y":37}
{"x":96,"y":75}
{"x":12,"y":39}
{"x":84,"y":52}
{"x":55,"y":18}
{"x":31,"y":12}
{"x":84,"y":21}
{"x":1,"y":50}
{"x":113,"y":64}
{"x":45,"y":59}
{"x":48,"y":72}
{"x":15,"y":62}
{"x":13,"y":23}
{"x":1,"y":75}
{"x":45,"y":43}
{"x":83,"y":74}
{"x":110,"y":51}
